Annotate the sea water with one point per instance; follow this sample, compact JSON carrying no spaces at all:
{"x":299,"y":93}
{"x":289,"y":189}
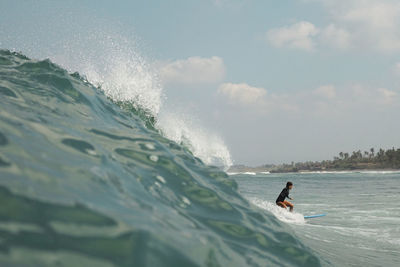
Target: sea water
{"x":88,"y":179}
{"x":362,"y":226}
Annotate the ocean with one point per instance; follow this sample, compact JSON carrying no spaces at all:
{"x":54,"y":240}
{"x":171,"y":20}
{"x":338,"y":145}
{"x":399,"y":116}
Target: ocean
{"x":362,"y":226}
{"x":91,"y":175}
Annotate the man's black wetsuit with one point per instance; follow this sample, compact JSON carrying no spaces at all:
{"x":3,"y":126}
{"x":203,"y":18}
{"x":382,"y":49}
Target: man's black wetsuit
{"x":284,"y":194}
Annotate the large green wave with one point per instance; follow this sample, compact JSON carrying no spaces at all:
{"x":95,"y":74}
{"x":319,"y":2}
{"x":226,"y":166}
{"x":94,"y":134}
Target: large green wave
{"x":85,"y":181}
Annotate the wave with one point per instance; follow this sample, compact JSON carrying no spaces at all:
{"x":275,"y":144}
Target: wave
{"x":113,"y":63}
{"x":248,"y":173}
{"x":204,"y":144}
{"x":242,"y":173}
{"x":84,"y":181}
{"x":282,"y":214}
{"x":354,"y":171}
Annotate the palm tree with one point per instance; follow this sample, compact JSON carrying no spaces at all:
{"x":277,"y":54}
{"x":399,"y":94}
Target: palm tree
{"x":359,"y":154}
{"x":372,"y":152}
{"x":381,"y":154}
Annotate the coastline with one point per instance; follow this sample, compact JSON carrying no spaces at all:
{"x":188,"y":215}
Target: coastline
{"x":366,"y":171}
{"x":357,"y":161}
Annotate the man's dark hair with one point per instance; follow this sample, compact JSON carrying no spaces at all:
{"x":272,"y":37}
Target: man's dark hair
{"x":289,"y":184}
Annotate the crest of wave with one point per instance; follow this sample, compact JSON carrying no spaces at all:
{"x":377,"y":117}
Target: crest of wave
{"x":205,"y":145}
{"x":113,"y":63}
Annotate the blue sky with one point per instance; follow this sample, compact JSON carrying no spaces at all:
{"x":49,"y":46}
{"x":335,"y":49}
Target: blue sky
{"x":278,"y":81}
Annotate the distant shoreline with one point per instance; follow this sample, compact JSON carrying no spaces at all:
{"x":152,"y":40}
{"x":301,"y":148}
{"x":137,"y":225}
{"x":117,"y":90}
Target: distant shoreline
{"x":372,"y":160}
{"x":248,"y":172}
{"x":339,"y":170}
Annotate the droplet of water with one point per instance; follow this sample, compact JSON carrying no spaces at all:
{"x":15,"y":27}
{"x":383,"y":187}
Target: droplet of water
{"x":150,"y":146}
{"x":185,"y":200}
{"x":154,"y":158}
{"x":161,"y":179}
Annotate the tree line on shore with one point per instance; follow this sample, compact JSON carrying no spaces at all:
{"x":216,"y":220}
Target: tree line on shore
{"x":372,"y":159}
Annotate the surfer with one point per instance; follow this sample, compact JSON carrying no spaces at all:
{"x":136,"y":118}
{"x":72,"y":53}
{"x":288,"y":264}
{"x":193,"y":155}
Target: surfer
{"x":280,"y":201}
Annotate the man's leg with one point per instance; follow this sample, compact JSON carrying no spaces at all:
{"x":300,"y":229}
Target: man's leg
{"x":281,"y":204}
{"x":288,"y":204}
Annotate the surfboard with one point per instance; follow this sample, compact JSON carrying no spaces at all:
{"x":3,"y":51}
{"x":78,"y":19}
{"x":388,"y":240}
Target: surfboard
{"x":314,"y":216}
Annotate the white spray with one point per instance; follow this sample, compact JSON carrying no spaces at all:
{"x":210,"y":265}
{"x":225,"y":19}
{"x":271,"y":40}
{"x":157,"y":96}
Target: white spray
{"x":113,"y":63}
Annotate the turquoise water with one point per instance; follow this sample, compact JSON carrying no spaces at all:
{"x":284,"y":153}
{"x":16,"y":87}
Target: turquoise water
{"x":362,"y":226}
{"x":89,"y":180}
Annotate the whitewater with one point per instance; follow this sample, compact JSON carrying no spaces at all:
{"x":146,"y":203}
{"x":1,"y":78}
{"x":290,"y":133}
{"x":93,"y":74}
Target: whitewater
{"x":362,"y":223}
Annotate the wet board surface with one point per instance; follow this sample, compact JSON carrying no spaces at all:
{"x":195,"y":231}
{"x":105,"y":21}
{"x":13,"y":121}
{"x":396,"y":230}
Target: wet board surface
{"x":314,"y":216}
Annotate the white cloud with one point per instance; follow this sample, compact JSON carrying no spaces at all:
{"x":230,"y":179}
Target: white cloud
{"x":364,"y":95}
{"x":357,"y":24}
{"x":242,"y":93}
{"x":365,"y":24}
{"x":375,"y":24}
{"x":306,"y":36}
{"x":374,"y":14}
{"x":335,"y":37}
{"x":325,"y":101}
{"x":193,"y":70}
{"x":326,"y":91}
{"x":299,"y":35}
{"x":388,"y":96}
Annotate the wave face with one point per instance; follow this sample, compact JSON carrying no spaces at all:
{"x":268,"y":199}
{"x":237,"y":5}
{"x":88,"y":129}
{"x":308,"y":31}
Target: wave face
{"x":85,"y":182}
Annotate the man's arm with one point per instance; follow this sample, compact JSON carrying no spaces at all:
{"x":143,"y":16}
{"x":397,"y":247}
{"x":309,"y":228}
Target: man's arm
{"x":288,"y":195}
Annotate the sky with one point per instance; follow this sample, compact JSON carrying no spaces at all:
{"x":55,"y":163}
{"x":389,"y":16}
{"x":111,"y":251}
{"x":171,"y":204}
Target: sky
{"x":278,"y":81}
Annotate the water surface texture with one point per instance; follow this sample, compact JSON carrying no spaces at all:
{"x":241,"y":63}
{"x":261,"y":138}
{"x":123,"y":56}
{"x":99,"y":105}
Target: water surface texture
{"x":362,"y":226}
{"x":87,"y":182}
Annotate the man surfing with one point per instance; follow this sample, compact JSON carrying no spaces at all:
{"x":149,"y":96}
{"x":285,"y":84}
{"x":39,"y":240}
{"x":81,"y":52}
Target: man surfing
{"x":280,"y":201}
